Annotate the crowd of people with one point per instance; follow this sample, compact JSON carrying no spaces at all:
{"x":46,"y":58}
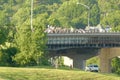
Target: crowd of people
{"x":59,"y":30}
{"x":52,"y":29}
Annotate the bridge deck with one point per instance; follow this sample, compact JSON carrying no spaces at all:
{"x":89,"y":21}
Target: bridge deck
{"x":85,"y":40}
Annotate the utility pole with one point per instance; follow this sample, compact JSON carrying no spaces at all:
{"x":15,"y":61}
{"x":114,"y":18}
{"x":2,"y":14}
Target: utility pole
{"x":31,"y":20}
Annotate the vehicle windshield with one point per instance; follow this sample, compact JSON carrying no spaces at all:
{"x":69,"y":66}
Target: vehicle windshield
{"x":95,"y":65}
{"x":92,"y":65}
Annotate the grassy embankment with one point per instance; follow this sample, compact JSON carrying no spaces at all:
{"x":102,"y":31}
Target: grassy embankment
{"x":8,"y":73}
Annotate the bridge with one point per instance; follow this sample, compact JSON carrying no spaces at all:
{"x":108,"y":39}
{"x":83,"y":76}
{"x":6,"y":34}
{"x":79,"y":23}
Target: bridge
{"x":82,"y":46}
{"x":84,"y":40}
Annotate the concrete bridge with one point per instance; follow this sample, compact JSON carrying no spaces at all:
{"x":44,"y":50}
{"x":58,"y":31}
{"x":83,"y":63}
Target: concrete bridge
{"x":82,"y":46}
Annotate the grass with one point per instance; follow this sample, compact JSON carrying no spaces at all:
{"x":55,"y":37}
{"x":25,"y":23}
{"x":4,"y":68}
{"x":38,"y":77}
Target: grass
{"x":10,"y":73}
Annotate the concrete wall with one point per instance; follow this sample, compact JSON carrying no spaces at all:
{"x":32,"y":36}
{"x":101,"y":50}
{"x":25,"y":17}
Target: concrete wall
{"x":106,"y":56}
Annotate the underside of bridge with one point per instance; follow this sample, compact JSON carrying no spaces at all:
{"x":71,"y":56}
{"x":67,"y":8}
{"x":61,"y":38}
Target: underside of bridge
{"x":77,"y":55}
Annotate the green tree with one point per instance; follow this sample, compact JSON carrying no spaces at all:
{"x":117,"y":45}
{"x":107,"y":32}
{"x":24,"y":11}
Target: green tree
{"x":115,"y":65}
{"x":6,"y":56}
{"x":54,"y":22}
{"x":31,"y":45}
{"x":21,"y":16}
{"x":112,"y":20}
{"x":95,"y":15}
{"x":3,"y":27}
{"x":93,"y":60}
{"x":108,"y":7}
{"x":47,"y":1}
{"x":70,"y":14}
{"x":3,"y":34}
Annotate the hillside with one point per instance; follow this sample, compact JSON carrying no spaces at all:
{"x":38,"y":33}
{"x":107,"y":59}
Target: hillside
{"x":7,"y":73}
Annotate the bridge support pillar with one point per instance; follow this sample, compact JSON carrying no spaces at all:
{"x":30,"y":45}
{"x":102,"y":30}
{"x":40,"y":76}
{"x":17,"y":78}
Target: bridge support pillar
{"x":79,"y":63}
{"x":105,"y":62}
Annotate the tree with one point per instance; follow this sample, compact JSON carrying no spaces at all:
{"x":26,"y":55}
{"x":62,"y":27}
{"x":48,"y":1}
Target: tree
{"x":21,"y":16}
{"x":6,"y":56}
{"x":3,"y":28}
{"x":93,"y":60}
{"x":108,"y":7}
{"x":54,"y":22}
{"x":3,"y":34}
{"x":47,"y":1}
{"x":31,"y":45}
{"x":112,"y":20}
{"x":95,"y":15}
{"x":115,"y":65}
{"x":70,"y":14}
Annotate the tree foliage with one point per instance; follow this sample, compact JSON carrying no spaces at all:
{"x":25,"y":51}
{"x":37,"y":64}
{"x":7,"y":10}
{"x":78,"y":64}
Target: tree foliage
{"x":112,"y":21}
{"x":76,"y":15}
{"x":31,"y":44}
{"x":115,"y":65}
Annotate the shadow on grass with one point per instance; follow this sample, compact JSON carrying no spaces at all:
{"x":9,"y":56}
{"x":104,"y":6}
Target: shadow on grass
{"x":51,"y":67}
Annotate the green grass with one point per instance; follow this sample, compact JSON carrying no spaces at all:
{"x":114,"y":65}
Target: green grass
{"x":9,"y":73}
